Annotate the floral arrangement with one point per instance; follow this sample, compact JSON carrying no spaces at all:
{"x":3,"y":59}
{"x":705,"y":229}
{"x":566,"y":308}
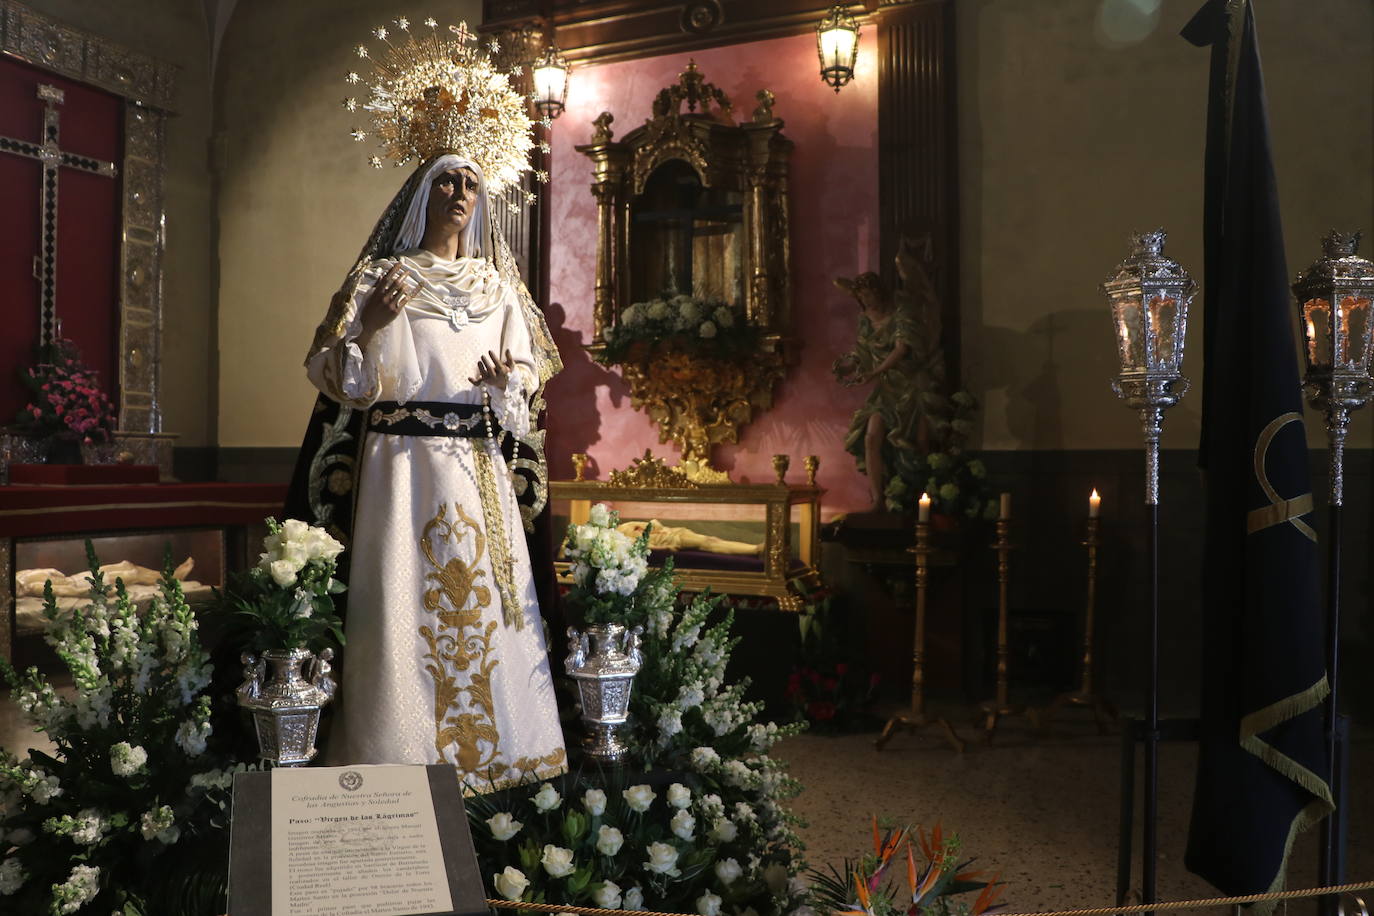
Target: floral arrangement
{"x":608,"y":567}
{"x":65,"y":398}
{"x":286,"y":600}
{"x":704,"y":828}
{"x":128,"y":814}
{"x":933,"y":879}
{"x":829,"y":688}
{"x":956,"y":481}
{"x":696,"y":325}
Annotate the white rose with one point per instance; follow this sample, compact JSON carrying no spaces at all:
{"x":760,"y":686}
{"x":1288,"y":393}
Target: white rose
{"x":557,"y":861}
{"x":607,"y":895}
{"x":510,"y":883}
{"x":679,"y":796}
{"x":12,"y":876}
{"x":724,"y":831}
{"x":547,"y":798}
{"x":708,"y":330}
{"x":503,"y":826}
{"x":594,"y":800}
{"x":662,"y":859}
{"x":609,"y":840}
{"x":639,"y":797}
{"x":634,"y":899}
{"x":728,"y":870}
{"x":600,"y":516}
{"x":283,"y":572}
{"x":708,"y":904}
{"x":775,"y":876}
{"x":682,"y":825}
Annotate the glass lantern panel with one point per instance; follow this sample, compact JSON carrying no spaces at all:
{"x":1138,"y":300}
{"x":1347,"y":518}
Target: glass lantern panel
{"x":1355,"y":328}
{"x":1163,"y":312}
{"x":1130,"y":334}
{"x":1316,"y":332}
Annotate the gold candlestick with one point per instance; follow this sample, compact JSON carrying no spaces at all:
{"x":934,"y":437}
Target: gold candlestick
{"x":1001,"y":705}
{"x":917,"y":718}
{"x":1085,"y":695}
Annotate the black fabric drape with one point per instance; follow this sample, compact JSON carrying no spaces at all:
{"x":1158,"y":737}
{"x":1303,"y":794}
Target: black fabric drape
{"x":1262,"y":761}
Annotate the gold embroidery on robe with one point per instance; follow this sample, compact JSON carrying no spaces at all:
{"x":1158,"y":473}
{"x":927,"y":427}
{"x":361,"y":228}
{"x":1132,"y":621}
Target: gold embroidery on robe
{"x":501,"y":564}
{"x":460,"y":645}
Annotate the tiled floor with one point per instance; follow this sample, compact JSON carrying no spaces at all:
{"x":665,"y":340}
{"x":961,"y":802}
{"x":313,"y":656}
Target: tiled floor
{"x":1042,"y":810}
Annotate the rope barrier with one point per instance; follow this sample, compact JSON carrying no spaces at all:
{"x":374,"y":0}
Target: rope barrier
{"x":1205,"y":902}
{"x":1093,"y":911}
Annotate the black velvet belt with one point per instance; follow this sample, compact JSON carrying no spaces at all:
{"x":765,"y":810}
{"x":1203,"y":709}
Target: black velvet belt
{"x":432,"y":418}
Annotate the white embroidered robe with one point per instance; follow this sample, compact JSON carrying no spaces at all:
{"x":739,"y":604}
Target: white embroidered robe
{"x":433,"y":672}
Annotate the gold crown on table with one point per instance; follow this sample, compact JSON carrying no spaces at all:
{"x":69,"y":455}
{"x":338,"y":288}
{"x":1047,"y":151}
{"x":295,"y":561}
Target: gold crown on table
{"x":439,"y":92}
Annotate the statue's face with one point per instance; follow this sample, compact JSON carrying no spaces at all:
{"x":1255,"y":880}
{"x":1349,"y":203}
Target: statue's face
{"x":452,"y":199}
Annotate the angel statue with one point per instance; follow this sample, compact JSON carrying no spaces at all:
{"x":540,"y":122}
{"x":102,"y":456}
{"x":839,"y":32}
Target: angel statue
{"x":897,"y":350}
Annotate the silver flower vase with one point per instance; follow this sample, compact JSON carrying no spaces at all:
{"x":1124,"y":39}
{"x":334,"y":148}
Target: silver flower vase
{"x":286,"y":701}
{"x":603,"y":660}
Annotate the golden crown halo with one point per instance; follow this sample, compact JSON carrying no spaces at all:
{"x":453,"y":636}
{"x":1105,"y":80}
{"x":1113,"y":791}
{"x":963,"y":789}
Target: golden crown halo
{"x":435,"y":93}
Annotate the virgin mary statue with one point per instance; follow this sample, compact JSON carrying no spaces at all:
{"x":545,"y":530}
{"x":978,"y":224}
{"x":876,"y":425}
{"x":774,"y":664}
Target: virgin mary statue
{"x":428,"y":362}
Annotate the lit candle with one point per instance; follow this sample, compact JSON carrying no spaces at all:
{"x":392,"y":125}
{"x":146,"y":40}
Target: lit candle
{"x":923,"y":513}
{"x":1094,"y":504}
{"x":1006,"y":506}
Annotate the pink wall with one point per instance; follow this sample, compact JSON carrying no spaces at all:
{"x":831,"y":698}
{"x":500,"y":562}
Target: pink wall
{"x":834,"y":189}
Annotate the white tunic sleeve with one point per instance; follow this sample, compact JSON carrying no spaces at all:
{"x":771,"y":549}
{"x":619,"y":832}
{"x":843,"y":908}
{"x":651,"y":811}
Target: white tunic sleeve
{"x":512,"y":404}
{"x":389,"y":368}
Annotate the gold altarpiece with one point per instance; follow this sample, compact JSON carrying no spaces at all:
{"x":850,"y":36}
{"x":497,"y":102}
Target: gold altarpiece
{"x":691,"y":202}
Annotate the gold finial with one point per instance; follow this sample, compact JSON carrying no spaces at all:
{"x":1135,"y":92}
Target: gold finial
{"x":579,"y":460}
{"x":812,"y":465}
{"x":780,"y":466}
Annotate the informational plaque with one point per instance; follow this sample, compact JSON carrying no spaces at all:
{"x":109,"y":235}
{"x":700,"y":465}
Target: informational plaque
{"x":352,"y":841}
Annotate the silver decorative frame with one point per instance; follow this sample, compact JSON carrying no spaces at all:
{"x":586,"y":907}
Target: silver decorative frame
{"x":146,"y":84}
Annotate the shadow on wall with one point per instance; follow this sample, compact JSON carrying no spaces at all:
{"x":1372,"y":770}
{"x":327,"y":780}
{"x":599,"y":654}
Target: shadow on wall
{"x":576,"y":425}
{"x":1038,"y":374}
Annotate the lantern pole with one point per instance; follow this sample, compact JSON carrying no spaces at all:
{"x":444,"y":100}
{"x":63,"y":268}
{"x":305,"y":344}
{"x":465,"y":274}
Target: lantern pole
{"x":1150,"y":294}
{"x":1331,"y":291}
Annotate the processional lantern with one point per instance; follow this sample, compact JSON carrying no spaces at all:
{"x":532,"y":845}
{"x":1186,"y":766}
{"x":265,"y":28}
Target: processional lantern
{"x":550,"y":73}
{"x":1334,"y":297}
{"x":1150,"y":294}
{"x":837,"y":44}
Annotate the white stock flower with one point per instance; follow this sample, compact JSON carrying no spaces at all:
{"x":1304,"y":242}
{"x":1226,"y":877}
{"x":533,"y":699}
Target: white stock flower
{"x":557,"y":861}
{"x":90,"y":827}
{"x":728,"y":870}
{"x":45,"y":789}
{"x":503,"y":826}
{"x":547,"y":798}
{"x":12,"y":876}
{"x":600,"y":515}
{"x":670,"y":722}
{"x":79,"y":889}
{"x":609,"y":840}
{"x":724,"y":831}
{"x":510,"y":883}
{"x":704,"y":759}
{"x":708,"y":904}
{"x":738,"y":774}
{"x":192,"y":736}
{"x":158,"y":824}
{"x":594,"y":800}
{"x":679,"y":796}
{"x":607,"y":895}
{"x":662,"y":859}
{"x":682,"y":825}
{"x":689,"y":695}
{"x":639,"y":797}
{"x":634,"y":899}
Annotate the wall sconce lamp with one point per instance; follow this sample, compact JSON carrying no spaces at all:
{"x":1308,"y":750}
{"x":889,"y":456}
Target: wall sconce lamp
{"x":837,"y":44}
{"x":550,"y":73}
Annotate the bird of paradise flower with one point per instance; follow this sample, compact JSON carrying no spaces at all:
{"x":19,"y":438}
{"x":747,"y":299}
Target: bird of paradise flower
{"x":934,"y":878}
